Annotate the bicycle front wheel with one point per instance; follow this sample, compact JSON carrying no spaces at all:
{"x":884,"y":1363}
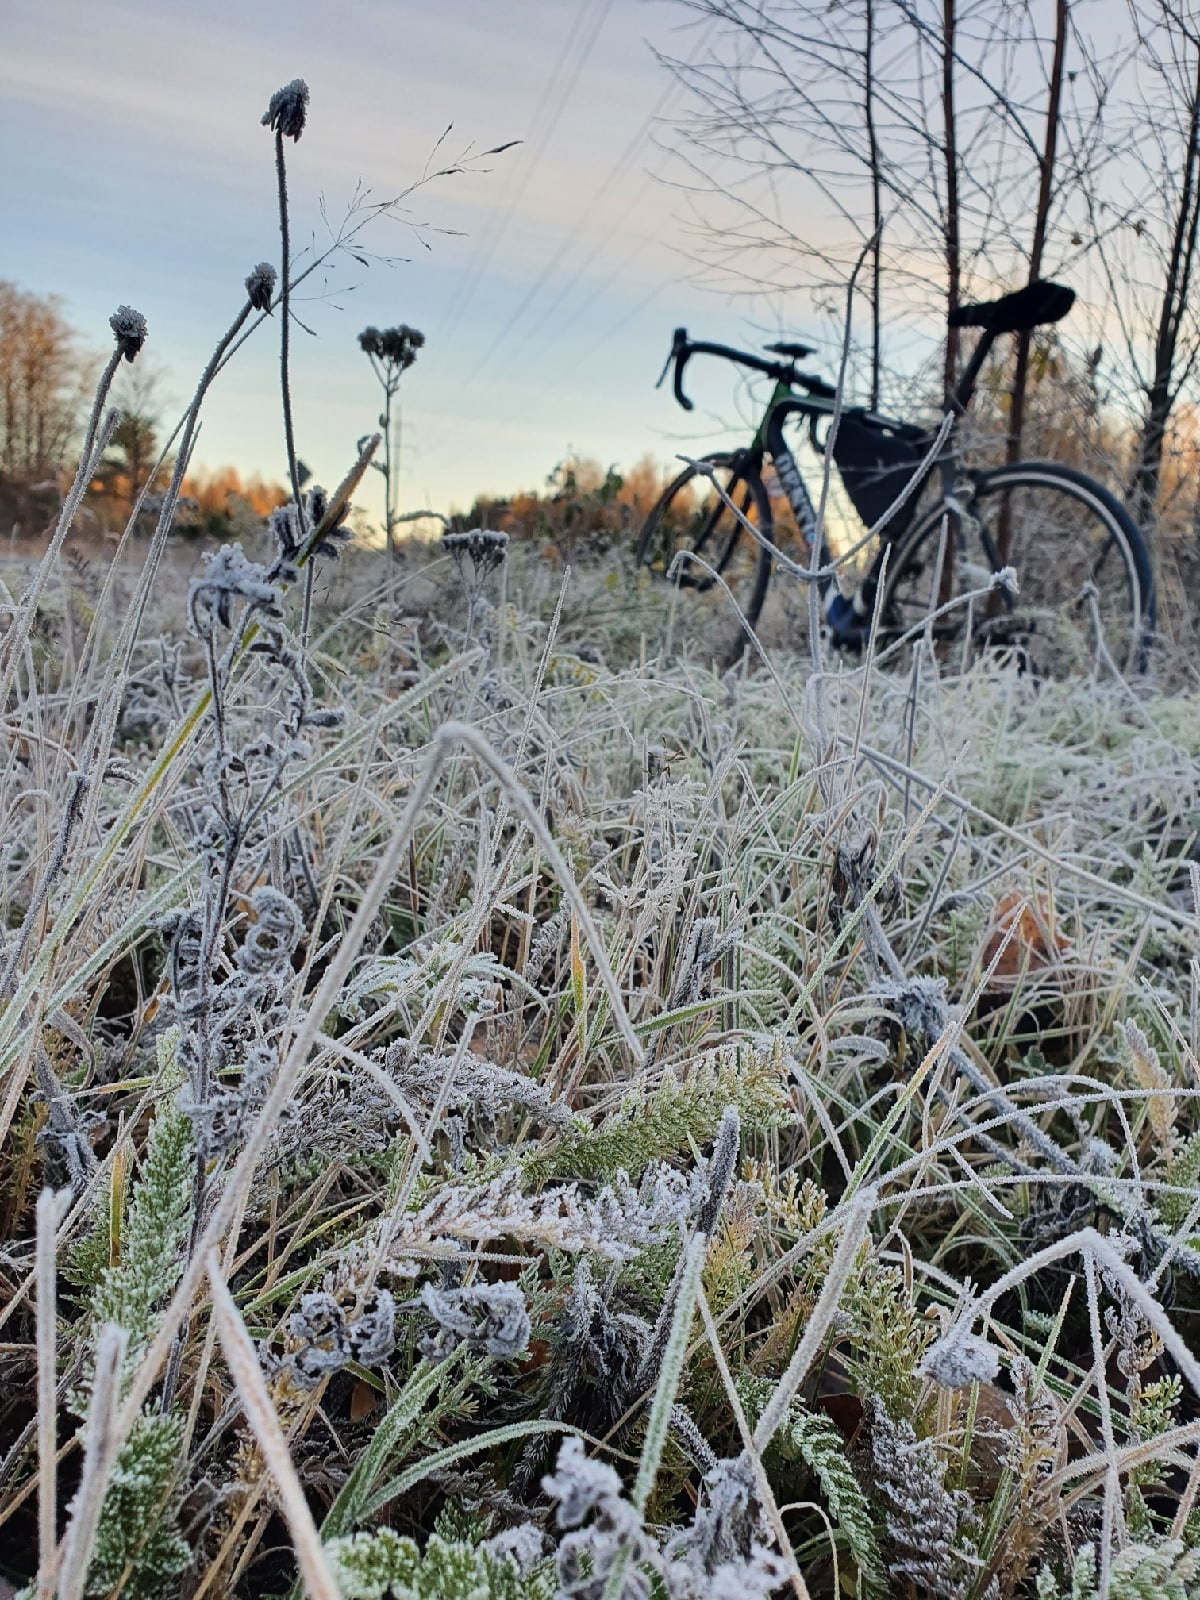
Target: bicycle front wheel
{"x":693,"y":518}
{"x":1083,"y":574}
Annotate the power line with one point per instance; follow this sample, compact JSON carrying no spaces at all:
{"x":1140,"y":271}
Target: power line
{"x":586,"y":215}
{"x":467,"y":280}
{"x":550,"y":114}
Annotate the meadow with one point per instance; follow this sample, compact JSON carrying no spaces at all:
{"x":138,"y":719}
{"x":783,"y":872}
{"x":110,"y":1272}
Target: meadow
{"x":493,"y":1105}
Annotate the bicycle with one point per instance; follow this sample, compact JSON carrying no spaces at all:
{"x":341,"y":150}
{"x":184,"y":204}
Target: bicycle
{"x":1084,"y":582}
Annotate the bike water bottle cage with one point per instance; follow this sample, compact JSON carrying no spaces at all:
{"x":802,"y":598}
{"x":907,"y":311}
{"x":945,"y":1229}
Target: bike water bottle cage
{"x":1034,"y":306}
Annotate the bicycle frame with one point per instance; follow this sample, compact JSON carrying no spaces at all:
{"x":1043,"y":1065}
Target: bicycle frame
{"x":957,"y":485}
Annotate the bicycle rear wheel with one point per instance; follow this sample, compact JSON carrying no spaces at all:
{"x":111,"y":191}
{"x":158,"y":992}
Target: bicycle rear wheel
{"x":693,"y":518}
{"x":1083,"y":574}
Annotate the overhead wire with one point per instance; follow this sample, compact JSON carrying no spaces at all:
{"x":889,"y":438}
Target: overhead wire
{"x":484,"y":243}
{"x":586,"y":216}
{"x":549,"y":115}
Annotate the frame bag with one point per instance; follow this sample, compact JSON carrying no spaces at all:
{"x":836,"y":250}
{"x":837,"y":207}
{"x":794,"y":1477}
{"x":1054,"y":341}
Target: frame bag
{"x":876,"y":461}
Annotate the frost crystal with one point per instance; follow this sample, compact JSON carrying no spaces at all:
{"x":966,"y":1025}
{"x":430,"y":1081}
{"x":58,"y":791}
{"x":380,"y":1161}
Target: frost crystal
{"x":260,"y":286}
{"x":129,"y":330}
{"x":579,"y":1484}
{"x":476,"y":1086}
{"x":288,"y":109}
{"x":275,"y":933}
{"x":525,"y":1545}
{"x":587,"y":1555}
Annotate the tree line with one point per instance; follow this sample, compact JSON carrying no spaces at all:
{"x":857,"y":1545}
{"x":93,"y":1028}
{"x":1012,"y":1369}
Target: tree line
{"x":46,"y":375}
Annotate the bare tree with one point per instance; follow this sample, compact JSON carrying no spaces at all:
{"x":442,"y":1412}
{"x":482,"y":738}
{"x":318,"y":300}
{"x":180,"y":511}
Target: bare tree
{"x":812,"y":128}
{"x":1171,"y":47}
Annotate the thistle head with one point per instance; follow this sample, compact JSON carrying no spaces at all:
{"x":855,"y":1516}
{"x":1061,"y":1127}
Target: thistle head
{"x":288,"y":109}
{"x":129,"y":330}
{"x":260,"y":286}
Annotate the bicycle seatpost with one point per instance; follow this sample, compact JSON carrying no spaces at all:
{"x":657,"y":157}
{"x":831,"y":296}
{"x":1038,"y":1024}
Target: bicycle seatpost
{"x":960,"y":399}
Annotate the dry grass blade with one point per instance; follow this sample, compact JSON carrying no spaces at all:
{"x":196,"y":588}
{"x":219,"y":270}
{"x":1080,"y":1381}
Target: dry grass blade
{"x":260,"y":1413}
{"x":51,"y":1209}
{"x":101,"y":1444}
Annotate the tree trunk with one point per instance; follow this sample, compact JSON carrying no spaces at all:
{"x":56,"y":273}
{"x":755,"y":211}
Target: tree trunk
{"x":876,"y":198}
{"x":1142,"y":499}
{"x":1041,"y":221}
{"x":950,"y":147}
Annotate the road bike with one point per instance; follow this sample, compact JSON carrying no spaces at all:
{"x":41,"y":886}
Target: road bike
{"x":940,"y":529}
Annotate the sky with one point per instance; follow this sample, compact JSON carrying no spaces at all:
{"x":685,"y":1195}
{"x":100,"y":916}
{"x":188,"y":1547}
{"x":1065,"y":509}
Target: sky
{"x":547,"y":280}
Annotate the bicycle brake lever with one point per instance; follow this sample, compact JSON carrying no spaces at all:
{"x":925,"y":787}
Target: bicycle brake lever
{"x":666,"y":368}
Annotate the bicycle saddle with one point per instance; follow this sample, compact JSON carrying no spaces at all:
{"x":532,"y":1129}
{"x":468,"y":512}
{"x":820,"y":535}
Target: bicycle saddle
{"x":1031,"y":307}
{"x":796,"y":351}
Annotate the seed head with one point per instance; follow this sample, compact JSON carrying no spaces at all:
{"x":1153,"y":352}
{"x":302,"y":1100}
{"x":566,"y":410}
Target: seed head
{"x":960,"y":1358}
{"x":260,"y":286}
{"x":288,"y":109}
{"x":485,"y":548}
{"x":396,"y":347}
{"x":129,"y":330}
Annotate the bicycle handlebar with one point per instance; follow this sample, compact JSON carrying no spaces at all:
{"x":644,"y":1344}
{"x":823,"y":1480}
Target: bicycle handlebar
{"x":1035,"y":305}
{"x":683,"y":348}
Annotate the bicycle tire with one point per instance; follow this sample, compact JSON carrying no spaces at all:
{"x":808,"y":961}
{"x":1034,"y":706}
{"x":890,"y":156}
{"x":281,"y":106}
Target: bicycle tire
{"x":690,"y":515}
{"x":1067,"y":531}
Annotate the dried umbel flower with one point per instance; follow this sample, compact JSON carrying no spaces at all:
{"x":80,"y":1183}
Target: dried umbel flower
{"x":260,"y":286}
{"x":396,"y":347}
{"x":485,"y":548}
{"x":129,"y":330}
{"x":477,"y":552}
{"x":288,"y":109}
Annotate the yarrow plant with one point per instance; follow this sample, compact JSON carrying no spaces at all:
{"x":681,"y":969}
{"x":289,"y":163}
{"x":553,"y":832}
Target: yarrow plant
{"x":391,"y":352}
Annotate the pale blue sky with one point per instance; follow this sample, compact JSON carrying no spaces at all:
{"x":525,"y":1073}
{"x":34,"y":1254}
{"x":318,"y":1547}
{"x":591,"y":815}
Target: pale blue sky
{"x":133,"y":169}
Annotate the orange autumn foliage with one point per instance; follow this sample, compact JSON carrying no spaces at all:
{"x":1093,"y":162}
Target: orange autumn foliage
{"x":212,"y":489}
